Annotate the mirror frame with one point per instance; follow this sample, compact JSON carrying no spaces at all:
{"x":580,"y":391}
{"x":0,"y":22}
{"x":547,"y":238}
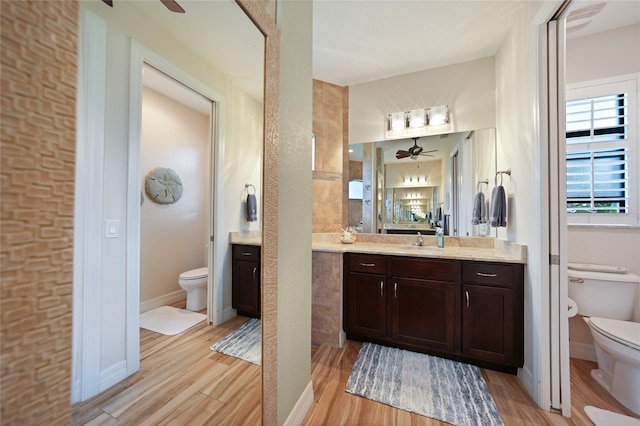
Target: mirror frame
{"x":263,"y":14}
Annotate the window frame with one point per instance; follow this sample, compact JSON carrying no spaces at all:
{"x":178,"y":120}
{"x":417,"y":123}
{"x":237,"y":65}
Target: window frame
{"x":594,"y":89}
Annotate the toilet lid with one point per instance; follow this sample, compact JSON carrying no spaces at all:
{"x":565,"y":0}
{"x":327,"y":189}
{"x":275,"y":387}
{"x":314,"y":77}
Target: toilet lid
{"x":194,"y":274}
{"x":625,"y":332}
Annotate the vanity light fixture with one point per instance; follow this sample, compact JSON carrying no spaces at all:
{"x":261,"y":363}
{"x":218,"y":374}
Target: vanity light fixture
{"x":397,"y":121}
{"x":438,"y":115}
{"x":417,"y":118}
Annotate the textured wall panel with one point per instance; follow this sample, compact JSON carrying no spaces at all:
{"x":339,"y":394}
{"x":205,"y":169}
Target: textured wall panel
{"x":39,"y":57}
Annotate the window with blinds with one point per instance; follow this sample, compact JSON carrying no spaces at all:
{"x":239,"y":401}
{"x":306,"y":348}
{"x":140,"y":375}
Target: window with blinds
{"x":597,"y":136}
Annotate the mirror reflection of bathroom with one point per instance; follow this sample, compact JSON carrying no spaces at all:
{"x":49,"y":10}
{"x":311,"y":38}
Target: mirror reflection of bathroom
{"x":184,"y":99}
{"x":603,"y":290}
{"x":388,"y":195}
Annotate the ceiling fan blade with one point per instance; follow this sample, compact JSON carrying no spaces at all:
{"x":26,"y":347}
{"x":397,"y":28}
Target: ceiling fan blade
{"x":172,"y":5}
{"x":108,"y":2}
{"x":402,"y":154}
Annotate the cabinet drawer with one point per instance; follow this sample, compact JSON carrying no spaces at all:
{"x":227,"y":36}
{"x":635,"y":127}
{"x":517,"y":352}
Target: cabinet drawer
{"x":435,"y":270}
{"x":500,"y":275}
{"x":367,"y":263}
{"x":242,"y":252}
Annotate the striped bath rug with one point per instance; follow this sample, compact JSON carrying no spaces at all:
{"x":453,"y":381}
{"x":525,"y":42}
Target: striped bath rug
{"x":244,"y":343}
{"x":438,"y":388}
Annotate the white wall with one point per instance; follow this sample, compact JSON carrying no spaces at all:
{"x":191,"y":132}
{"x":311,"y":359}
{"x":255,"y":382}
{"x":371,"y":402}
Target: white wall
{"x":173,"y":237}
{"x":242,"y":114}
{"x":618,"y":53}
{"x":520,"y":149}
{"x":468,"y":88}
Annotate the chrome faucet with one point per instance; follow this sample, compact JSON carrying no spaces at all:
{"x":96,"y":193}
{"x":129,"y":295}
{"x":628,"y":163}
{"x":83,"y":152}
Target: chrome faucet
{"x":420,"y":241}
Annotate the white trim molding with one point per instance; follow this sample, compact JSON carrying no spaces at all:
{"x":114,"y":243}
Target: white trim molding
{"x":88,"y":235}
{"x":297,"y":415}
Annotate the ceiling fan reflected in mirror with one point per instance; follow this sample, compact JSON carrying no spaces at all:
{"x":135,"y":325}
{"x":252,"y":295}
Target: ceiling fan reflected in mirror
{"x":414,"y":151}
{"x":172,"y":5}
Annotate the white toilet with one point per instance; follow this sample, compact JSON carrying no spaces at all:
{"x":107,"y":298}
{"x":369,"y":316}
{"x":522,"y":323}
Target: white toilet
{"x":606,"y":296}
{"x":194,"y":282}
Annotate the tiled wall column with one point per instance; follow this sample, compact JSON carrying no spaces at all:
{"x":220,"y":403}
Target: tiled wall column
{"x":330,"y":126}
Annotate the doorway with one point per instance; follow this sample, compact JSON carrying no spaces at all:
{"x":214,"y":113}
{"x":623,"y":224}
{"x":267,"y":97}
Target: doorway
{"x":177,"y":137}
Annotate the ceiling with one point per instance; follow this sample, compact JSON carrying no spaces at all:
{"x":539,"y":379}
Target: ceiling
{"x":219,"y":33}
{"x":355,"y":41}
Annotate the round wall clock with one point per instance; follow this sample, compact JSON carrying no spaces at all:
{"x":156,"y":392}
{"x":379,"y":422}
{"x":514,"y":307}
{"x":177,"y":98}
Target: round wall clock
{"x":163,"y":186}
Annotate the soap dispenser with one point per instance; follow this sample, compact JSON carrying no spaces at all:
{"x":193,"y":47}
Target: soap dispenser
{"x":440,"y":237}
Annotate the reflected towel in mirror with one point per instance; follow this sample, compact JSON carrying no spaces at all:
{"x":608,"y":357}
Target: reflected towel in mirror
{"x":252,"y":208}
{"x":479,"y":209}
{"x":498,"y":208}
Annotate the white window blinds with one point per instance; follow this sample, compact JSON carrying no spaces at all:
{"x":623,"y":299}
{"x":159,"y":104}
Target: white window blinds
{"x":601,"y":147}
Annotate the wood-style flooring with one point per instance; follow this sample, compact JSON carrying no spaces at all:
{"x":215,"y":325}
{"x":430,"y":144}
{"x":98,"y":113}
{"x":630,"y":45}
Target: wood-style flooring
{"x":182,"y":382}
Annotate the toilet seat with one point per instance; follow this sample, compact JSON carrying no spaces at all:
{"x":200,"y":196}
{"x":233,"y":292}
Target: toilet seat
{"x":624,"y":332}
{"x":195,"y":274}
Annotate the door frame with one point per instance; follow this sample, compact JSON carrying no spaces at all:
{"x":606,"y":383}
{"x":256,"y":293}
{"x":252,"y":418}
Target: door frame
{"x":215,"y":297}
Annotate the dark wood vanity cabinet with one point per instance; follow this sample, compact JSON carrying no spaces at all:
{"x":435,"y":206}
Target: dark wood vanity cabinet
{"x":493,"y":312}
{"x":245,"y":280}
{"x":421,"y":303}
{"x":365,"y":289}
{"x":464,"y":310}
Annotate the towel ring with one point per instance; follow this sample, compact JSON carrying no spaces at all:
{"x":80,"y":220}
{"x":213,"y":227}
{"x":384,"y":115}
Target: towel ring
{"x":248,"y":185}
{"x":481,"y":182}
{"x":501,"y":172}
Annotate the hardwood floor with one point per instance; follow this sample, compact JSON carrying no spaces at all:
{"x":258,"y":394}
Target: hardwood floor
{"x":333,"y":406}
{"x":181,"y":381}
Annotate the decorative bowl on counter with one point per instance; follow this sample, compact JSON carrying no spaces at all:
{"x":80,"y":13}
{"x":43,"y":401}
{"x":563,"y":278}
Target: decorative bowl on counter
{"x":347,"y":236}
{"x":348,"y":239}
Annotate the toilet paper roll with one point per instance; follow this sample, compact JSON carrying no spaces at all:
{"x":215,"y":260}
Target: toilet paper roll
{"x":573,"y":308}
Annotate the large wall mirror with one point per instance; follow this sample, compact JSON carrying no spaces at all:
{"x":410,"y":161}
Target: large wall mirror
{"x":419,"y":193}
{"x":213,"y":56}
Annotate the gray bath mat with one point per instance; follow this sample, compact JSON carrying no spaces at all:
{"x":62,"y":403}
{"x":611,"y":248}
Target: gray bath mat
{"x":244,"y":343}
{"x":442,"y":389}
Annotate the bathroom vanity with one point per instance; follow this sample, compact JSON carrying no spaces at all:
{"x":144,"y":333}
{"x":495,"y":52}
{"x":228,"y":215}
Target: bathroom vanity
{"x":245,"y":279}
{"x":464,"y":301}
{"x":470,"y":311}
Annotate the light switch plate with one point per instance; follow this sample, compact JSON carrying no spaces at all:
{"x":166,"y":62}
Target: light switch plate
{"x":111,"y":228}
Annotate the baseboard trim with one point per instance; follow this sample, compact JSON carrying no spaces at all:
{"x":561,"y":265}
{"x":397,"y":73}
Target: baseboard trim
{"x":582,"y":351}
{"x":525,"y":376}
{"x":342,"y":338}
{"x":297,"y":415}
{"x":113,"y":375}
{"x":163,"y":300}
{"x":228,"y":313}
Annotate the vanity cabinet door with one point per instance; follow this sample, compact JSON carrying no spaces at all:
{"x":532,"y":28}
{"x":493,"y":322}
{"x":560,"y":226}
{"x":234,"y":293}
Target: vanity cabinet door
{"x":493,"y":312}
{"x":364,"y":305}
{"x":487,"y":323}
{"x":245,"y":281}
{"x":423,"y":313}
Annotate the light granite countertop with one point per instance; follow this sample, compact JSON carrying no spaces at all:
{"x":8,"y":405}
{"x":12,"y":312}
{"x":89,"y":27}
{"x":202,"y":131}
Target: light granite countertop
{"x":461,"y":248}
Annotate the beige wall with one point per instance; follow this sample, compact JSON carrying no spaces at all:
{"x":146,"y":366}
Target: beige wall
{"x":173,"y":237}
{"x":330,"y":111}
{"x":39,"y":53}
{"x":605,"y":54}
{"x":294,"y":210}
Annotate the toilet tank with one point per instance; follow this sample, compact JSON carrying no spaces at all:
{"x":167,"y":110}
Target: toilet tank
{"x":603,"y":291}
